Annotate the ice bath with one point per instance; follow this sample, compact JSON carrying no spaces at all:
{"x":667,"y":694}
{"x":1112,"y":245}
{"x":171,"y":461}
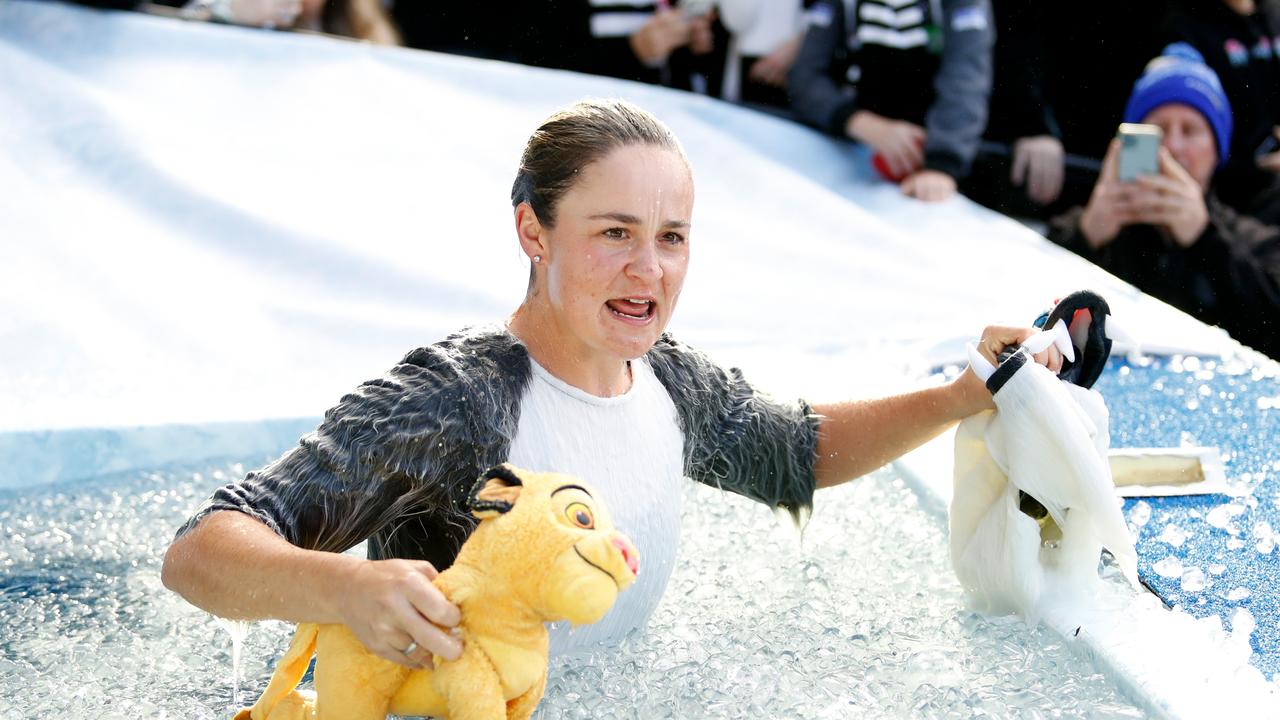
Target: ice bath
{"x":862,"y":619}
{"x":141,"y":371}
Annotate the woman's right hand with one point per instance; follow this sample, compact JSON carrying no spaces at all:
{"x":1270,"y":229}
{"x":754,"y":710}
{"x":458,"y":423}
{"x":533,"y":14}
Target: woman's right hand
{"x":390,"y":604}
{"x":1110,"y":205}
{"x":900,"y":143}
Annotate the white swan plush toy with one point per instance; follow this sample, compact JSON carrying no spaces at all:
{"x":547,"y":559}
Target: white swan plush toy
{"x":1034,"y":502}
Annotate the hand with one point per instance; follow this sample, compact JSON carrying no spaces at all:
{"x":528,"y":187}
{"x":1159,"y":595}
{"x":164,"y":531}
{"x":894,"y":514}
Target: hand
{"x":929,"y":185}
{"x":1037,"y":160}
{"x":974,"y":397}
{"x":1109,"y":207}
{"x":701,"y":40}
{"x":266,"y":13}
{"x":1271,"y":161}
{"x":772,"y":69}
{"x":995,"y":338}
{"x":1172,"y":200}
{"x":389,"y":604}
{"x":662,"y":34}
{"x":900,"y":143}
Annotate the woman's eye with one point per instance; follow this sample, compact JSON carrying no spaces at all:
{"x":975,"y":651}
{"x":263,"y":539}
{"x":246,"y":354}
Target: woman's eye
{"x":615,"y":233}
{"x":581,"y":516}
{"x":673,"y":238}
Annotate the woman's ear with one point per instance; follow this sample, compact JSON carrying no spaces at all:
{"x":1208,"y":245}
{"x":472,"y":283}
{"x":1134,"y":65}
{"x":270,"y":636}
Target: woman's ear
{"x":530,"y":231}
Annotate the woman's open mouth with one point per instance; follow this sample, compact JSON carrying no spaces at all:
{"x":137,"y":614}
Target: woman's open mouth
{"x":632,"y":309}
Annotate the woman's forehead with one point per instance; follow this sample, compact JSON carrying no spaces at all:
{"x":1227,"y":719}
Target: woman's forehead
{"x":635,"y":179}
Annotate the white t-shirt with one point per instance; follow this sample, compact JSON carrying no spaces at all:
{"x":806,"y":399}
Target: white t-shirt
{"x":631,"y":450}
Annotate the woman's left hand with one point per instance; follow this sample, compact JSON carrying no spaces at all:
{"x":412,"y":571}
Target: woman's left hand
{"x":995,"y":338}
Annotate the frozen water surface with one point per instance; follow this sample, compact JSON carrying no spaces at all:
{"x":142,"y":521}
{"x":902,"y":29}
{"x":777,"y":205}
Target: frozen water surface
{"x":862,"y":619}
{"x":1221,"y":557}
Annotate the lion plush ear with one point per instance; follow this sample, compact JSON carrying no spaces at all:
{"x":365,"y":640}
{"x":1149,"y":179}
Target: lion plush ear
{"x":495,"y":492}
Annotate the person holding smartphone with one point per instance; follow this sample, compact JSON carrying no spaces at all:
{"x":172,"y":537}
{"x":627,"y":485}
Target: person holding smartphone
{"x":1167,"y":232}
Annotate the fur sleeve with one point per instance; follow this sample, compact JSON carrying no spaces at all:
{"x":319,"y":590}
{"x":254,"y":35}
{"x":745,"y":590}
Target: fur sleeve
{"x":407,"y":444}
{"x":736,"y":438}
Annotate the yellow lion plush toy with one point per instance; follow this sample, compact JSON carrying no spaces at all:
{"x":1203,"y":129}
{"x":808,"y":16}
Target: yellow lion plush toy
{"x":545,"y":550}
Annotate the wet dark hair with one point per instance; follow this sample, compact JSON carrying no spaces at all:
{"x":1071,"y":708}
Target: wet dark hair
{"x":575,"y":137}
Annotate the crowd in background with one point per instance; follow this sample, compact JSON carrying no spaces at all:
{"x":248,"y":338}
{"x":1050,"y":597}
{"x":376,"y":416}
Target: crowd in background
{"x":1014,"y":103}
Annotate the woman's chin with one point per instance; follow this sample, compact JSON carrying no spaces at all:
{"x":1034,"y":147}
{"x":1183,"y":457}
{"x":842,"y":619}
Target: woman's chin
{"x":632,"y":340}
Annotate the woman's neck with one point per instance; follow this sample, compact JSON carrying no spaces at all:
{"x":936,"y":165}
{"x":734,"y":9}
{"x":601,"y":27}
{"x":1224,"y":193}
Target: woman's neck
{"x":564,"y":355}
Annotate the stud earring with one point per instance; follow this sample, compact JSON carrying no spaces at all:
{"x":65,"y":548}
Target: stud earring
{"x":537,"y":259}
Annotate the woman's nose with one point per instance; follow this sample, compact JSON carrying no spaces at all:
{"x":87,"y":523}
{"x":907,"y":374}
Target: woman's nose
{"x":644,"y":261}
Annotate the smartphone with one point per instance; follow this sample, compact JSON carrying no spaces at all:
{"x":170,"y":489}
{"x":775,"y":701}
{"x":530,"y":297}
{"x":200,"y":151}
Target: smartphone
{"x":1139,"y":148}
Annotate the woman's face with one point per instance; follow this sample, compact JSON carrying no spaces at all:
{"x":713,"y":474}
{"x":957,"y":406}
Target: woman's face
{"x":1188,"y":138}
{"x":616,"y":259}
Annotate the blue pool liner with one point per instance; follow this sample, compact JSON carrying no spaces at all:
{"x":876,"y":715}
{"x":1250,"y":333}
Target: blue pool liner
{"x":1235,"y":407}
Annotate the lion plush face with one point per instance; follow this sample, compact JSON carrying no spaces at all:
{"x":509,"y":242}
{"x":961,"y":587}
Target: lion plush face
{"x":553,"y":535}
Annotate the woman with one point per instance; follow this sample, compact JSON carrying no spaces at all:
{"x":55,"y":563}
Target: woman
{"x":580,"y":379}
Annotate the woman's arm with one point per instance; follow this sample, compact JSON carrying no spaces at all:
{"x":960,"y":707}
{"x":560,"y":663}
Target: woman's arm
{"x":234,"y":566}
{"x":399,"y":447}
{"x":859,"y":436}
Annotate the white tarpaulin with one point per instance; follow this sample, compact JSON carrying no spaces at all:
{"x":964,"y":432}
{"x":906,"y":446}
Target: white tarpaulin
{"x":204,"y":223}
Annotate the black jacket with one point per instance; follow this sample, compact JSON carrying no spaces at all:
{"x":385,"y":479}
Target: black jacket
{"x":1229,"y":277}
{"x":945,"y":93}
{"x":393,"y":461}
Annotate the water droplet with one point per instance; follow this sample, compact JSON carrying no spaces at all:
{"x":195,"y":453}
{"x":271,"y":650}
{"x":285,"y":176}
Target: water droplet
{"x":1238,"y":593}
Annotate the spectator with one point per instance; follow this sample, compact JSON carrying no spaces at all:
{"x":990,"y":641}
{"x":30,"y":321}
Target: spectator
{"x":649,"y":42}
{"x":1094,"y":50}
{"x":1169,"y":234}
{"x":1062,"y":74}
{"x":1239,"y":40}
{"x":765,"y":36}
{"x":360,"y":19}
{"x":909,"y":79}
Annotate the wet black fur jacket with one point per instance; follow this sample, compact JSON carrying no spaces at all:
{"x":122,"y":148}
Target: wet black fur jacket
{"x":393,"y":461}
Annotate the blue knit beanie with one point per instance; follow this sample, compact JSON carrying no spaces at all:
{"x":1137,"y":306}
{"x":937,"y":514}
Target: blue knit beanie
{"x":1179,"y":75}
